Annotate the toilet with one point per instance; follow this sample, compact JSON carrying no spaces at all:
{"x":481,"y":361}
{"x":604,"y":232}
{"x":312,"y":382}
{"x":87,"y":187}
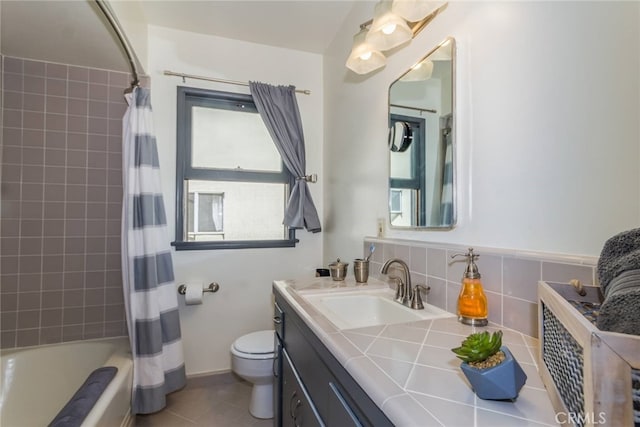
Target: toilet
{"x":252,"y":359}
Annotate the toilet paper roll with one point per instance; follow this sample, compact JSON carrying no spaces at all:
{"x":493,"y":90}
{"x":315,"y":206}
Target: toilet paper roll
{"x":193,"y":294}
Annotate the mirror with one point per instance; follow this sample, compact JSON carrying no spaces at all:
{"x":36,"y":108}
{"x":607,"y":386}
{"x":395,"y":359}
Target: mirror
{"x":422,"y":143}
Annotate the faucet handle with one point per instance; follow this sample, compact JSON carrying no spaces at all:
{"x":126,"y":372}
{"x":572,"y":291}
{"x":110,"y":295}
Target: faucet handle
{"x":416,"y":298}
{"x":424,"y":288}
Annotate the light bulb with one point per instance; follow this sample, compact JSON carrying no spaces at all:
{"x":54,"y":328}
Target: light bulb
{"x":389,"y":29}
{"x":366,"y":56}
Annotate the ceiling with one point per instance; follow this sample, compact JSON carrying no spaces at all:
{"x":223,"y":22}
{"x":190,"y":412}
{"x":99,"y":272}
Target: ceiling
{"x":75,"y":32}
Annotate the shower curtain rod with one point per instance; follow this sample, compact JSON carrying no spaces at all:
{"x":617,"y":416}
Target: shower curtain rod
{"x":426,"y":110}
{"x":123,"y":40}
{"x":212,"y":79}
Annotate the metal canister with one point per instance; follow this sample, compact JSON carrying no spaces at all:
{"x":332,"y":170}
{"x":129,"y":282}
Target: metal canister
{"x":361,"y":270}
{"x":338,"y":270}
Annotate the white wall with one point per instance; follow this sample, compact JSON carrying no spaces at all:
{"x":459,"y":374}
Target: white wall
{"x":134,"y":24}
{"x":548,"y":101}
{"x":244,"y":302}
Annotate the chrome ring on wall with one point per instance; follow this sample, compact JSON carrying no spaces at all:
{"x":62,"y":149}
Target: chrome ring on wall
{"x":400,"y":137}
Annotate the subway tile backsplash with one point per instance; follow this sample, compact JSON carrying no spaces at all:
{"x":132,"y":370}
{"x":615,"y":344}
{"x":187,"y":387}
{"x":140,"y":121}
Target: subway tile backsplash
{"x":61,"y":202}
{"x":510,"y":279}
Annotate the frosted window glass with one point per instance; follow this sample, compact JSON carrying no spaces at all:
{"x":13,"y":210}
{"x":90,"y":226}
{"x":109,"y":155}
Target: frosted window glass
{"x":223,"y":139}
{"x":242,"y":202}
{"x":401,"y":164}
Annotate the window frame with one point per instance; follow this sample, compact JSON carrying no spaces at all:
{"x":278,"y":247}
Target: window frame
{"x":187,"y":98}
{"x":417,"y":181}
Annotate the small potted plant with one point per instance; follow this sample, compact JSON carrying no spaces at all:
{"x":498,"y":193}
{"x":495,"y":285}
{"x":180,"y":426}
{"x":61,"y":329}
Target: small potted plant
{"x":490,"y":367}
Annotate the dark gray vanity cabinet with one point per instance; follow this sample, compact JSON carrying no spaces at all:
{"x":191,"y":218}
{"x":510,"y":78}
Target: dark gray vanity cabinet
{"x":297,"y":407}
{"x":340,"y":412}
{"x":315,"y":388}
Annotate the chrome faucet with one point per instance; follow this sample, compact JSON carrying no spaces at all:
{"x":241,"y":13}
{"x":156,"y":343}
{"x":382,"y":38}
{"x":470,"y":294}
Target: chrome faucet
{"x":405,"y":293}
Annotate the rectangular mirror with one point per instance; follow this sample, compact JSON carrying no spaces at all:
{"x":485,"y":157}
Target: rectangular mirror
{"x":422,"y":176}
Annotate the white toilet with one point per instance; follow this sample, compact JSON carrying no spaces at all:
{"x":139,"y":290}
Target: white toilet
{"x":252,"y":359}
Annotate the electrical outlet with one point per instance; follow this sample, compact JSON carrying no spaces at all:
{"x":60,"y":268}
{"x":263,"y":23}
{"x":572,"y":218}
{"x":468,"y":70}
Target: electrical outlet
{"x":381,"y":223}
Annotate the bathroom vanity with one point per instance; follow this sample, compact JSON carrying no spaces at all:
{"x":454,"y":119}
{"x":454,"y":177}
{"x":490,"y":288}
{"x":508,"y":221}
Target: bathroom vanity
{"x":397,"y":373}
{"x":315,"y":387}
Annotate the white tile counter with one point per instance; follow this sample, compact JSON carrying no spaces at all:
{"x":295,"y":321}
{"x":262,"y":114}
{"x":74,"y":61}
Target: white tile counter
{"x":410,"y":372}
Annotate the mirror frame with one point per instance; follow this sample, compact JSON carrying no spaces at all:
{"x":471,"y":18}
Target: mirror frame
{"x":454,"y":184}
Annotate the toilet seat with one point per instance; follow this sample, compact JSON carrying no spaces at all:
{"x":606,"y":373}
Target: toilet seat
{"x":256,"y":345}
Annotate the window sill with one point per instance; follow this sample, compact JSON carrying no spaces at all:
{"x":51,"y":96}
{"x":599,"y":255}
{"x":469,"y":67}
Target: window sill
{"x":234,"y":244}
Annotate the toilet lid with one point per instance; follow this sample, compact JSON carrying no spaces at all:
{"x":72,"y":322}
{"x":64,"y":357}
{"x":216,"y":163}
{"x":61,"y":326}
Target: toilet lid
{"x":255,"y":343}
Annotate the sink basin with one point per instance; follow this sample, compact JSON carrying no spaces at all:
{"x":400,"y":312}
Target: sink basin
{"x":359,"y":309}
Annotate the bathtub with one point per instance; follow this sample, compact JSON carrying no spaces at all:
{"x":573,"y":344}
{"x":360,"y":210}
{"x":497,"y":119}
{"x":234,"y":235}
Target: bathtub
{"x":38,"y":381}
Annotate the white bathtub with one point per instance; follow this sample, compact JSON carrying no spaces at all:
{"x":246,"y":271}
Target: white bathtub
{"x":38,"y":381}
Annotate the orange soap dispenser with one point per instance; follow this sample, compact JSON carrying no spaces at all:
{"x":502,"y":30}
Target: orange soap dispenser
{"x":472,"y":302}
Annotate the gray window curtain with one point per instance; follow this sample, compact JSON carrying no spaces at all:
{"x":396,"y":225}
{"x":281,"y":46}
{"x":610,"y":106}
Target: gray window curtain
{"x":278,"y":108}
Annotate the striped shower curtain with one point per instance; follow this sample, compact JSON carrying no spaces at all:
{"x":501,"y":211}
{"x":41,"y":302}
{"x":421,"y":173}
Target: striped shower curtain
{"x":147,"y":271}
{"x":446,"y":200}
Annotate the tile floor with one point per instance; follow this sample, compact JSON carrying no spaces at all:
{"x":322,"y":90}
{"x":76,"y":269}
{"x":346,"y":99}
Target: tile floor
{"x":212,"y":401}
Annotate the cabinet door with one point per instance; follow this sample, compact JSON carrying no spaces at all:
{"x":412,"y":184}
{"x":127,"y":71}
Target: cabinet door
{"x":297,"y":407}
{"x":277,"y":382}
{"x":340,"y":413}
{"x":309,"y":366}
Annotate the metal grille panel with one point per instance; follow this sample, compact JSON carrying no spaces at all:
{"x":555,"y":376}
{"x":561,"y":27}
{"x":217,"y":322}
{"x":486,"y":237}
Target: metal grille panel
{"x":564,"y":359}
{"x":635,"y":393}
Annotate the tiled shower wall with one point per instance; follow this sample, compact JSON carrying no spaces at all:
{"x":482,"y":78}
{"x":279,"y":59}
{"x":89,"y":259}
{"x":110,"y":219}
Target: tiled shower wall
{"x":509,"y":279}
{"x":60,"y":276}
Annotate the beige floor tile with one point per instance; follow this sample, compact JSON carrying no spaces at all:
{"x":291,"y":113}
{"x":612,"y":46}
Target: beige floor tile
{"x":215,"y":401}
{"x":163,"y":418}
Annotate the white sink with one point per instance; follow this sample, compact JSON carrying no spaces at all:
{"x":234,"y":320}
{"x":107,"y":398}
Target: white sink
{"x":362,"y":308}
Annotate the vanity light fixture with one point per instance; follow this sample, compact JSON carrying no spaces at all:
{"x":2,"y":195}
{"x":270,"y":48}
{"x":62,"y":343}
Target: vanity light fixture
{"x":415,"y":10}
{"x":394,"y":23}
{"x":388,"y":30}
{"x":364,"y":58}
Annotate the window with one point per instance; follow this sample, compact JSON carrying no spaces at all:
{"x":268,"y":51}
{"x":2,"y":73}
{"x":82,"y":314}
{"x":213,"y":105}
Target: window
{"x":232,"y":186}
{"x":395,"y":203}
{"x":407,"y":179}
{"x":205,"y":216}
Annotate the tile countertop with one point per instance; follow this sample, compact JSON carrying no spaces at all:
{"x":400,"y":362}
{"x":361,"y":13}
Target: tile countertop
{"x":409,"y":371}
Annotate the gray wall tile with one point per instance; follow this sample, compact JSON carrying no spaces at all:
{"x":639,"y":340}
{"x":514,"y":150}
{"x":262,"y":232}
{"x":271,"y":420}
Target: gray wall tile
{"x":520,"y":315}
{"x":509,"y":282}
{"x":34,"y":68}
{"x":80,"y":74}
{"x":13,"y":65}
{"x":57,"y":267}
{"x":56,"y":87}
{"x":437,"y":263}
{"x":438,"y":293}
{"x":418,"y":260}
{"x":32,"y":84}
{"x":57,"y":104}
{"x":56,"y":71}
{"x":33,"y":102}
{"x":494,"y":301}
{"x":555,"y":272}
{"x":12,"y":100}
{"x":520,"y":278}
{"x":8,"y":339}
{"x":27,"y":337}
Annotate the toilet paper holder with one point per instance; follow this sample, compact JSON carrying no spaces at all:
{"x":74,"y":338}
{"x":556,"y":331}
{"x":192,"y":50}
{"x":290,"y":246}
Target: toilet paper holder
{"x":213,"y":287}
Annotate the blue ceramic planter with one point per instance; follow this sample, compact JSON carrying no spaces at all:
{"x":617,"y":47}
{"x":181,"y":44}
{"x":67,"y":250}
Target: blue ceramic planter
{"x":502,"y":382}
